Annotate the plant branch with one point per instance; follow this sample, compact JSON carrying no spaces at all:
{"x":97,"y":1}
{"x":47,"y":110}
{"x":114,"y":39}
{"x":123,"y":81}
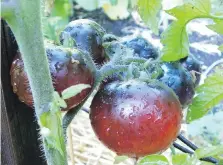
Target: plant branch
{"x":181,"y":148}
{"x":187,"y":142}
{"x":210,"y":68}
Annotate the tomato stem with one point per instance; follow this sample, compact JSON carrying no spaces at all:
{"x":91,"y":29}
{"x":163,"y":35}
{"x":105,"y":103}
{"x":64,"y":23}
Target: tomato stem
{"x":187,"y":142}
{"x":105,"y":71}
{"x":24,"y":19}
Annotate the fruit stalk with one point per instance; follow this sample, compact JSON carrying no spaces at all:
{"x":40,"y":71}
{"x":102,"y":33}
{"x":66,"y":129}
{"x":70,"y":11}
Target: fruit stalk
{"x":24,"y":19}
{"x":106,"y":71}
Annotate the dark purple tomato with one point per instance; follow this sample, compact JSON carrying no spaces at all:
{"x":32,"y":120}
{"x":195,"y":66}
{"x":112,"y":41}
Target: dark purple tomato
{"x":136,"y":118}
{"x":87,"y":35}
{"x":66,"y":70}
{"x":179,"y":79}
{"x":192,"y":64}
{"x":142,"y":48}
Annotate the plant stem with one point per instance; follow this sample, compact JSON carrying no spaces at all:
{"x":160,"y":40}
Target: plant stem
{"x":181,"y":148}
{"x":210,"y":68}
{"x":25,"y":22}
{"x":26,"y":26}
{"x":187,"y":142}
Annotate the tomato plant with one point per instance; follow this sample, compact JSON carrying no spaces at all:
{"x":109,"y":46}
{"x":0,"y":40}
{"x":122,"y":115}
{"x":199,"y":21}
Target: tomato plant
{"x":138,"y":111}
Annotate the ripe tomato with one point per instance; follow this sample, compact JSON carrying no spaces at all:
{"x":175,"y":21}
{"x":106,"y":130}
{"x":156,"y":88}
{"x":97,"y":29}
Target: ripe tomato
{"x":66,"y":70}
{"x":136,"y":118}
{"x":87,"y":35}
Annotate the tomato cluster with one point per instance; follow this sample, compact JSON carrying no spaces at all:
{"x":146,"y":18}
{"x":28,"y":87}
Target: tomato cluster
{"x":132,"y":115}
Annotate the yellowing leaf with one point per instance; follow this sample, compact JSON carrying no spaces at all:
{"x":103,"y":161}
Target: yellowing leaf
{"x":149,"y":10}
{"x":119,"y":11}
{"x":209,"y":95}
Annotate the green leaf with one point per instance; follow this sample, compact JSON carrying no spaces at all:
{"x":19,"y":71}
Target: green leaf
{"x":206,"y":163}
{"x":62,"y":8}
{"x":52,"y":26}
{"x":120,"y":159}
{"x":74,"y":90}
{"x":58,"y":102}
{"x":53,"y":137}
{"x":209,"y":151}
{"x":154,"y":160}
{"x":220,"y":48}
{"x":180,"y":159}
{"x":209,"y":94}
{"x":118,"y":11}
{"x":175,"y":39}
{"x":218,"y":27}
{"x":149,"y":11}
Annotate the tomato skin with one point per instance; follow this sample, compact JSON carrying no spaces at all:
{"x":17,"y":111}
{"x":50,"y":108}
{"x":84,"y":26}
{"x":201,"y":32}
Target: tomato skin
{"x":66,"y":70}
{"x":136,"y":118}
{"x":192,"y":64}
{"x":142,"y":48}
{"x":180,"y":80}
{"x":88,"y":37}
{"x":20,"y":82}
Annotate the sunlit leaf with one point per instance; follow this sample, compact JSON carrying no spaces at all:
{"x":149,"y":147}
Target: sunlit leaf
{"x":218,"y":27}
{"x":149,"y":12}
{"x":52,"y":122}
{"x":119,"y":159}
{"x":209,"y":94}
{"x":154,"y":160}
{"x":175,"y":39}
{"x":74,"y":90}
{"x":209,"y":151}
{"x":181,"y":159}
{"x":220,"y":48}
{"x":62,"y":8}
